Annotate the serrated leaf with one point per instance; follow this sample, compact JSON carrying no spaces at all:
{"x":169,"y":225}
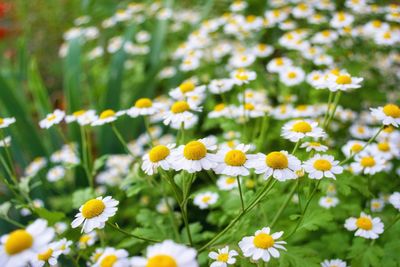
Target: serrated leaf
{"x":315,"y":219}
{"x":299,"y":257}
{"x":51,"y":216}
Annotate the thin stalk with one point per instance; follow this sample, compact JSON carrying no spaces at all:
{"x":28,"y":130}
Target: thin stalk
{"x":8,"y":154}
{"x":86,"y":166}
{"x":147,"y":125}
{"x":264,"y":191}
{"x":396,"y":219}
{"x":285,"y":204}
{"x":116,"y":227}
{"x":260,"y":141}
{"x":335,"y":105}
{"x":240,"y":192}
{"x":121,"y":139}
{"x":296,"y":147}
{"x":11,"y":221}
{"x":170,"y":213}
{"x":328,"y":107}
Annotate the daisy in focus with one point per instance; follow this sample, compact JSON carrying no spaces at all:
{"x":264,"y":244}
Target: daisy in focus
{"x":263,"y":245}
{"x":365,"y":226}
{"x":389,"y":114}
{"x":367,"y":163}
{"x":316,"y":146}
{"x":328,"y":202}
{"x":223,"y":257}
{"x":107,"y":116}
{"x":321,"y":166}
{"x":142,"y":107}
{"x":181,"y":114}
{"x":95,"y":213}
{"x":166,"y":254}
{"x":158,"y":156}
{"x":278,"y":164}
{"x":194,"y":156}
{"x":233,"y":161}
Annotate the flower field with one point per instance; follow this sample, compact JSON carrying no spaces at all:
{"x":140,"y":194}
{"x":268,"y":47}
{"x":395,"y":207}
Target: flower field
{"x":200,"y":133}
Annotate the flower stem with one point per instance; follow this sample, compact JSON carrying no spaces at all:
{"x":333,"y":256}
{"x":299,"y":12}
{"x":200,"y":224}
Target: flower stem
{"x":147,"y":125}
{"x":286,"y":203}
{"x":116,"y":227}
{"x":296,"y":147}
{"x":85,"y":157}
{"x":240,"y":192}
{"x":335,"y":105}
{"x":121,"y":139}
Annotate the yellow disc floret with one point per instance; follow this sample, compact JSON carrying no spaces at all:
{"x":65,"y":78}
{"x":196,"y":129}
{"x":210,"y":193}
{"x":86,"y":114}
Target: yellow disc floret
{"x":367,"y":162}
{"x":180,"y":107}
{"x":364,"y":223}
{"x":143,"y":103}
{"x":392,"y":110}
{"x":302,"y":127}
{"x":223,"y":257}
{"x":194,"y":150}
{"x":93,"y":208}
{"x":18,"y":241}
{"x":263,"y":241}
{"x":107,"y":114}
{"x":343,"y":79}
{"x":108,"y":261}
{"x":161,"y":261}
{"x":277,"y":160}
{"x":45,"y":256}
{"x":235,"y":158}
{"x":322,"y":165}
{"x":158,"y":153}
{"x":186,"y":87}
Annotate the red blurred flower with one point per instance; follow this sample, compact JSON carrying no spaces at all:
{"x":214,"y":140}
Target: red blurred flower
{"x":3,"y":32}
{"x":3,"y":8}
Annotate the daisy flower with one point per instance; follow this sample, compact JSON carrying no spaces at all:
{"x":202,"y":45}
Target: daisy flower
{"x":352,"y":147}
{"x":334,"y":263}
{"x":341,"y":19}
{"x":205,"y":200}
{"x":292,"y":76}
{"x":35,"y":166}
{"x":83,"y":117}
{"x":143,"y":107}
{"x":243,"y":76}
{"x":279,"y":64}
{"x":377,"y":204}
{"x":221,"y":86}
{"x":56,"y":173}
{"x":321,"y":166}
{"x":298,"y":129}
{"x":63,"y":245}
{"x":107,"y":116}
{"x":394,"y":199}
{"x":194,"y":156}
{"x":386,"y":150}
{"x":233,"y":161}
{"x":87,"y":240}
{"x":186,"y":89}
{"x":365,"y":225}
{"x":368,"y":163}
{"x":181,"y":112}
{"x":6,"y":142}
{"x":343,"y":82}
{"x":316,"y":146}
{"x":389,"y":114}
{"x":49,"y":255}
{"x":94,"y":213}
{"x":158,"y":156}
{"x":167,"y":253}
{"x":262,"y":246}
{"x":227,"y":183}
{"x":223,"y":257}
{"x":21,"y":246}
{"x":328,"y":202}
{"x":51,"y":119}
{"x":113,"y":257}
{"x":5,"y":122}
{"x":278,"y":164}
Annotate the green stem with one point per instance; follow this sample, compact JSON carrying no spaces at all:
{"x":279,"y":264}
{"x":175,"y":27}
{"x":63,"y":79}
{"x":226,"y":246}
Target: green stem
{"x":170,"y":213}
{"x":396,"y":219}
{"x":85,"y":158}
{"x":121,"y":139}
{"x":147,"y":125}
{"x":335,"y":105}
{"x":286,"y":203}
{"x":8,"y":154}
{"x":260,"y":140}
{"x":181,"y":139}
{"x":265,"y":190}
{"x":296,"y":147}
{"x":328,"y":107}
{"x":116,"y":227}
{"x":11,"y":221}
{"x":240,"y":192}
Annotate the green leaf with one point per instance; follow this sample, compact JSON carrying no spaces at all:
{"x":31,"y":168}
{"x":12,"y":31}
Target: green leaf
{"x":81,"y":196}
{"x":299,"y":257}
{"x":315,"y":219}
{"x":51,"y":216}
{"x":99,"y":163}
{"x":4,"y":208}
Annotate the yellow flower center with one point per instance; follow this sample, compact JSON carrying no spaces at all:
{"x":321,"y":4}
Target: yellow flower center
{"x":322,"y":165}
{"x":303,"y":6}
{"x":368,"y":162}
{"x":84,"y":239}
{"x":186,"y":87}
{"x":223,"y":257}
{"x":251,"y":18}
{"x":219,"y":107}
{"x":292,"y":75}
{"x":326,"y":33}
{"x":376,"y":205}
{"x":241,"y":75}
{"x":341,"y":16}
{"x":364,"y":223}
{"x":206,"y":199}
{"x":45,"y":256}
{"x":1,"y":121}
{"x":93,"y":208}
{"x":356,"y":148}
{"x":108,"y":261}
{"x":384,"y":147}
{"x":180,"y":107}
{"x":161,"y":261}
{"x":107,"y":114}
{"x":389,"y":129}
{"x":194,"y":150}
{"x":335,"y":72}
{"x":387,"y":35}
{"x":235,"y":158}
{"x":18,"y":241}
{"x":343,"y":79}
{"x":143,"y":103}
{"x":230,"y":180}
{"x":279,"y":61}
{"x":301,"y":107}
{"x":314,"y":144}
{"x":263,"y":241}
{"x":302,"y":127}
{"x":392,"y":110}
{"x":79,"y":113}
{"x":249,"y":106}
{"x":377,"y":23}
{"x":158,"y":153}
{"x":51,"y":117}
{"x":277,"y":160}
